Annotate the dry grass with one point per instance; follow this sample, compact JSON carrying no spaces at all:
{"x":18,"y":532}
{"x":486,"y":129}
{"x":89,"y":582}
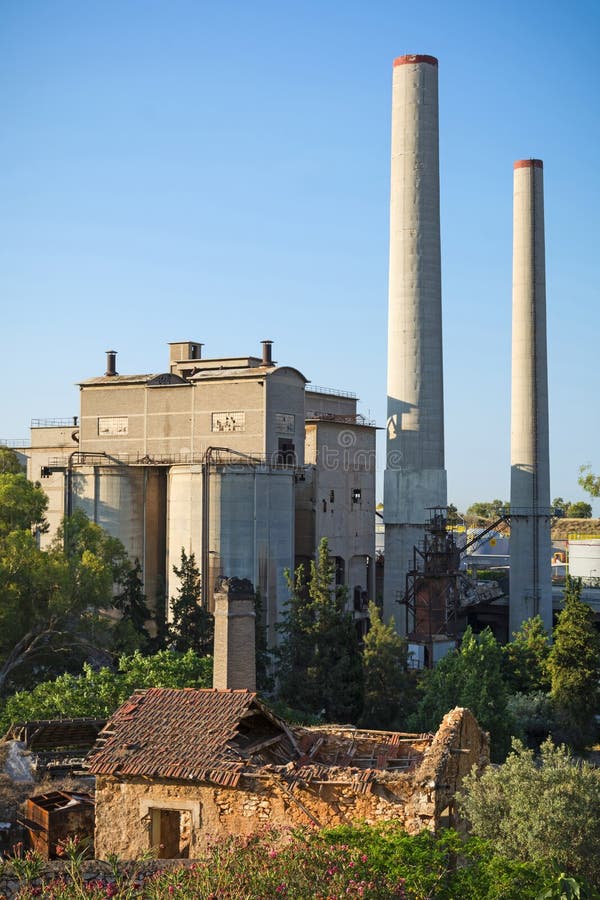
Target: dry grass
{"x":562,"y":528}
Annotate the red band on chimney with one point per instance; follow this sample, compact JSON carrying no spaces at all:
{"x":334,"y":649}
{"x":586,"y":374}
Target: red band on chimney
{"x":529,"y":164}
{"x":414,"y":58}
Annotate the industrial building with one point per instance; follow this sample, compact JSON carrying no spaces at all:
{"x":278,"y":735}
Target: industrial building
{"x":237,"y":460}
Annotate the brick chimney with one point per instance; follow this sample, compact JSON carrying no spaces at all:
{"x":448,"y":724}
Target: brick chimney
{"x":234,"y":647}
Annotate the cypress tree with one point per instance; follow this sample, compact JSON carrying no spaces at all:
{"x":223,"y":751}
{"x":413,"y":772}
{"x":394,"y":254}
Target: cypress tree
{"x":191,"y":626}
{"x":574,"y":665}
{"x":320,"y":668}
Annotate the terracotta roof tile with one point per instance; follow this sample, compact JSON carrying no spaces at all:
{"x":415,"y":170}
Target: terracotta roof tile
{"x":169,"y":733}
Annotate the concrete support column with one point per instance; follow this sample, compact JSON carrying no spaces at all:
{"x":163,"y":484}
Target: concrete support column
{"x":234,"y":664}
{"x":530,"y":544}
{"x":415,"y":478}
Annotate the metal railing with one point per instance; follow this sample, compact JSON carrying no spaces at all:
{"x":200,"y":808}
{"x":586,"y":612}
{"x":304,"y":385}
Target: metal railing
{"x":334,"y":392}
{"x":70,"y":422}
{"x":14,"y":442}
{"x":355,"y":419}
{"x":276,"y":460}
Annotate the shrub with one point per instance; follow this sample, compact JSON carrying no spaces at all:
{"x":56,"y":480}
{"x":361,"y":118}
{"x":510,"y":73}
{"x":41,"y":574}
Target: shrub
{"x":542,"y":810}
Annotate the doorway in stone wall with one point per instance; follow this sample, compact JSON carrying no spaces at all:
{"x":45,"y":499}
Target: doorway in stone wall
{"x":170,"y":833}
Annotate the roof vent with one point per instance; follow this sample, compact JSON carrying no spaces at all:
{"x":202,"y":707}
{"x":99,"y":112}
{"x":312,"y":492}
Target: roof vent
{"x":267,"y":356}
{"x":111,"y":363}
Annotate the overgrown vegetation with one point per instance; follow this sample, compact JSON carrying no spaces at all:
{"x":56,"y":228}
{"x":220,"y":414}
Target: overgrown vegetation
{"x":472,"y":676}
{"x":543,"y":810}
{"x":319,"y":659}
{"x":574,"y":667}
{"x":98,"y":693}
{"x":375,"y":863}
{"x":191,"y":626}
{"x":390,"y":689}
{"x":56,"y":603}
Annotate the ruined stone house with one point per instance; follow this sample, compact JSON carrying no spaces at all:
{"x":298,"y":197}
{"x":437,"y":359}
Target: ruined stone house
{"x":177,"y":768}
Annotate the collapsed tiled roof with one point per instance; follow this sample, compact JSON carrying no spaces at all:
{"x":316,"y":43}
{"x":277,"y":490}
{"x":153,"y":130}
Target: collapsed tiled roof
{"x":189,"y":734}
{"x":48,"y":734}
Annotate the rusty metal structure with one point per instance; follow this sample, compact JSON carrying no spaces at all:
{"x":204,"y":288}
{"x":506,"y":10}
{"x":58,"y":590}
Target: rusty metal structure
{"x":52,"y":818}
{"x":438,"y":591}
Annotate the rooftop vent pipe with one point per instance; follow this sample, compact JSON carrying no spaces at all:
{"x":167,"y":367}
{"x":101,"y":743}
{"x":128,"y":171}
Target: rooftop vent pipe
{"x":267,"y":357}
{"x":111,"y":362}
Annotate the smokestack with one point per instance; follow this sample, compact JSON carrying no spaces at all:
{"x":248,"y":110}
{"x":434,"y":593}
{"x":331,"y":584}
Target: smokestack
{"x":234,"y":652}
{"x":530,"y":545}
{"x":267,"y":357}
{"x":415,"y":479}
{"x":111,"y":362}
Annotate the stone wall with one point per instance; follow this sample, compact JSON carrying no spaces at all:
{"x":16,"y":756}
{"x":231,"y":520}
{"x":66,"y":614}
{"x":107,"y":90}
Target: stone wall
{"x":129,"y":813}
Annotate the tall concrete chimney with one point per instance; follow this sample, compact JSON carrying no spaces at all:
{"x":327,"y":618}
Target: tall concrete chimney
{"x":415,"y":478}
{"x":530,"y":545}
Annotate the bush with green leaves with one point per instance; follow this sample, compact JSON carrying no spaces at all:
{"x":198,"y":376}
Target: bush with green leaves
{"x":369,"y":862}
{"x":471,"y":676}
{"x":526,"y":658}
{"x":543,"y":810}
{"x":534,"y":717}
{"x":98,"y":693}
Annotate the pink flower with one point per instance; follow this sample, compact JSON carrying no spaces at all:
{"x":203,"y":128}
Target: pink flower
{"x":364,"y":857}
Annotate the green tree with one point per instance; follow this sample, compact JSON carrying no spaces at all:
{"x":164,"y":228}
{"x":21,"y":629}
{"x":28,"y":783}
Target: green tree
{"x":526,"y":658}
{"x":488,"y":510}
{"x":191,"y":625}
{"x":53,"y":602}
{"x":574,"y":665}
{"x":588,"y":481}
{"x":320,"y":667}
{"x":473,"y":677}
{"x":543,"y":811}
{"x":264,"y":679}
{"x":454,"y":517}
{"x":579,"y":510}
{"x":99,"y":692}
{"x":534,"y":717}
{"x":560,"y":504}
{"x":132,"y":630}
{"x":389,"y":694}
{"x":22,"y":504}
{"x":10,"y":463}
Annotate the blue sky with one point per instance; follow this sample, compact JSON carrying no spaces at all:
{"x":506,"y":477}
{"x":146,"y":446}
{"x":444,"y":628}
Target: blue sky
{"x":220,"y":172}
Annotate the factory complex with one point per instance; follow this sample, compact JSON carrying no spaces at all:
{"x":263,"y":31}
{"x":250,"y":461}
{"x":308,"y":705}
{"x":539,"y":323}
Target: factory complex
{"x":247,"y":465}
